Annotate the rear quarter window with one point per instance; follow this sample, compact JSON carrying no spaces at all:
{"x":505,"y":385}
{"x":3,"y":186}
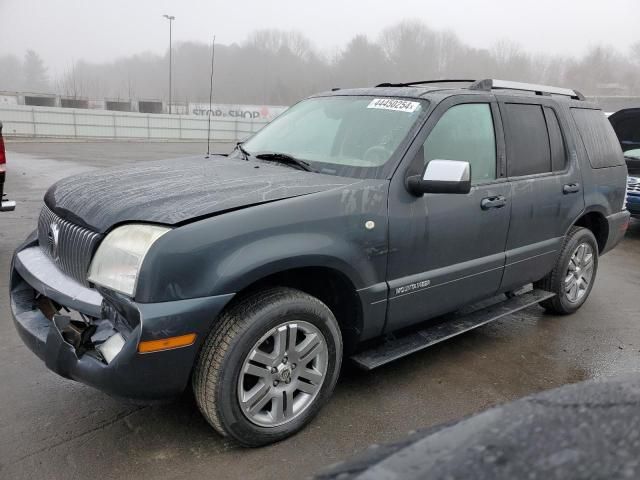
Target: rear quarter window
{"x":598,"y":137}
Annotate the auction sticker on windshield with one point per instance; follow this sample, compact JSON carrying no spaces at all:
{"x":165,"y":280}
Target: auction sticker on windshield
{"x":394,"y":104}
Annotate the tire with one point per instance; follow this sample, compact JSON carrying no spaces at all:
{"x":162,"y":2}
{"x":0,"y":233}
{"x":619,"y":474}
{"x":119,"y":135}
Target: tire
{"x":238,"y":347}
{"x":565,"y":301}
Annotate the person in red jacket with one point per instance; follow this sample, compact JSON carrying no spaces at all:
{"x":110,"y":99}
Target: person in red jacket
{"x":5,"y":205}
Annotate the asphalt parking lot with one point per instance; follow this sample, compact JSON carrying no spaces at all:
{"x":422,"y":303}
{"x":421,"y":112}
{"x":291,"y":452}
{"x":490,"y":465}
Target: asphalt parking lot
{"x":57,"y":429}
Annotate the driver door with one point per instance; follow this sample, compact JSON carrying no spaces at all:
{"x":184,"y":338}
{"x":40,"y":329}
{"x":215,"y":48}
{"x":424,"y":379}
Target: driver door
{"x":447,"y":250}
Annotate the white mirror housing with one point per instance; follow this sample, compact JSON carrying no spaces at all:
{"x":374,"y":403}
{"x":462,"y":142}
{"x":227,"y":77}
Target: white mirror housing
{"x":442,"y":176}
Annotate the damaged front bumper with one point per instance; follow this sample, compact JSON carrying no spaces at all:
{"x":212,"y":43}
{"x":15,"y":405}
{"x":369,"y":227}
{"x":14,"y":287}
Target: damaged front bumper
{"x":44,"y":302}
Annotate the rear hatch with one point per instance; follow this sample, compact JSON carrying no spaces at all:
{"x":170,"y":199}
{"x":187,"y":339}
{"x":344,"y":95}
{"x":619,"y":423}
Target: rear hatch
{"x":626,"y":124}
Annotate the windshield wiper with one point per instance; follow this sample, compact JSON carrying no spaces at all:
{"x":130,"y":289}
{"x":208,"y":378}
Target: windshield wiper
{"x":285,"y":159}
{"x":243,"y":152}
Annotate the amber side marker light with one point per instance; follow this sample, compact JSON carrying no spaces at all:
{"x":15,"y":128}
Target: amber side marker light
{"x":170,"y":343}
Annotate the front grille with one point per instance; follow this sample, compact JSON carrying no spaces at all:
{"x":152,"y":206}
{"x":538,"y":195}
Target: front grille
{"x":70,"y":246}
{"x":633,"y":187}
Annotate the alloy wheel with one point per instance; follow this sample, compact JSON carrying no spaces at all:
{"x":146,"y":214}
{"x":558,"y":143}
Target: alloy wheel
{"x":282,"y":374}
{"x":579,"y":273}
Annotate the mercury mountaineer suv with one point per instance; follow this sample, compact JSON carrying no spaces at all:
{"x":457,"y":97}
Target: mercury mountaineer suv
{"x":346,"y":228}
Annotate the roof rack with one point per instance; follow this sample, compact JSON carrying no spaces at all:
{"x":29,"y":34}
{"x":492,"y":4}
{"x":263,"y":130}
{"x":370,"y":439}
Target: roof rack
{"x":491,"y":84}
{"x":425,"y":82}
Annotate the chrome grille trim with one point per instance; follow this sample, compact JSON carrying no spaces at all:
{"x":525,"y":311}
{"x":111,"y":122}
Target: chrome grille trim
{"x":76,"y":244}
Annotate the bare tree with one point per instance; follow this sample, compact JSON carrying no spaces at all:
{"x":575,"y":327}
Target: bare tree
{"x":449,"y":50}
{"x":280,"y":67}
{"x":70,"y":84}
{"x":11,"y":78}
{"x":510,"y":61}
{"x":277,"y":41}
{"x":601,"y":70}
{"x":362,"y":63}
{"x":635,"y":67}
{"x":411,"y":48}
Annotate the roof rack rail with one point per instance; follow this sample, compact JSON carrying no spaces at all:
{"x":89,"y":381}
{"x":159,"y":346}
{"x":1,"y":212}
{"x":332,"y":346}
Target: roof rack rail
{"x":425,"y":82}
{"x":489,"y":84}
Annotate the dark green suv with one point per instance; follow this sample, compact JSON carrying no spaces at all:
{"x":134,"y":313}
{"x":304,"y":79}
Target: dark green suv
{"x":354,"y":215}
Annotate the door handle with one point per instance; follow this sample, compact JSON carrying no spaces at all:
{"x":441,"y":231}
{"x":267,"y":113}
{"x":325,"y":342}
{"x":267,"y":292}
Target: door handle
{"x":571,"y":188}
{"x":493,"y":202}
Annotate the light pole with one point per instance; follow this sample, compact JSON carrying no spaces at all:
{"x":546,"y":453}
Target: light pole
{"x":171,"y":18}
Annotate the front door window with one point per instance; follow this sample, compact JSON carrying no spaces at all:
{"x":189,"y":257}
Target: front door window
{"x":465,"y":132}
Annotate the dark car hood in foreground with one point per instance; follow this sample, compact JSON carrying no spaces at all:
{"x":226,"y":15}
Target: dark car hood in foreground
{"x":576,"y":431}
{"x":626,"y":123}
{"x":175,"y":191}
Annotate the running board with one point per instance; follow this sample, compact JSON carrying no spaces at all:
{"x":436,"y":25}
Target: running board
{"x":413,"y":342}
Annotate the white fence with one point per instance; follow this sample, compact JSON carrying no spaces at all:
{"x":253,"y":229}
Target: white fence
{"x":49,"y":122}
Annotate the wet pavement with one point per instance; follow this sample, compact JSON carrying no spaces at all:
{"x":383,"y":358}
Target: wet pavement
{"x":54,"y":428}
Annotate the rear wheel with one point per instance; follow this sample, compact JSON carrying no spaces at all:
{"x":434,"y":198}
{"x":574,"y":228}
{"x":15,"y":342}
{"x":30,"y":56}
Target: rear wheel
{"x":574,"y":273}
{"x":268,"y":367}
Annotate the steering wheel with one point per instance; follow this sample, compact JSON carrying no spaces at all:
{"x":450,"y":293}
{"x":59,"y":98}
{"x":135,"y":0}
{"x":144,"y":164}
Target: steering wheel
{"x":376,"y":155}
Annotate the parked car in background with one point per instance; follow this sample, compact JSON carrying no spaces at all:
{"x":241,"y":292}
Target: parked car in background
{"x":354,"y":215}
{"x":626,"y":124}
{"x":633,"y":182}
{"x":5,"y":205}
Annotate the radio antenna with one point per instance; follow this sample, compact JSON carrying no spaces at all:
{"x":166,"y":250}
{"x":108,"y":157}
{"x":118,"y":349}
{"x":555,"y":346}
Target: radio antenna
{"x":213,"y":53}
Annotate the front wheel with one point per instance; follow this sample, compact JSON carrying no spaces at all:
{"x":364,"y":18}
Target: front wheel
{"x":268,"y":366}
{"x":574,"y":273}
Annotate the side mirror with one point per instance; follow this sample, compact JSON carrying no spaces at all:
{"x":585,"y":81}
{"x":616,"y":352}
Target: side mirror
{"x":441,"y":176}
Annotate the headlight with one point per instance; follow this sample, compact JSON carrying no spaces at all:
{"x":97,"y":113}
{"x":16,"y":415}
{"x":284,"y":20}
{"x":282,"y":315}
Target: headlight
{"x":117,"y":262}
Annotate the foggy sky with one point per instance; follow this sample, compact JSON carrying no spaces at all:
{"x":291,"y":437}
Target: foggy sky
{"x":64,"y":31}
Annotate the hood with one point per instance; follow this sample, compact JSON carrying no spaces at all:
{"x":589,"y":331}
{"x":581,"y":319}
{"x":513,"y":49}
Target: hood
{"x":626,"y":124}
{"x":174,"y":191}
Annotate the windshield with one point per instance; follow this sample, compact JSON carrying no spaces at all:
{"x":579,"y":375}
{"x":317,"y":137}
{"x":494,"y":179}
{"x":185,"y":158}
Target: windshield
{"x":341,"y":135}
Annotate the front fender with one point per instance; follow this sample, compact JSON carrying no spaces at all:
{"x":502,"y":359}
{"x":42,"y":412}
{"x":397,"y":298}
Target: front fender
{"x":270,"y":255}
{"x":224,"y":254}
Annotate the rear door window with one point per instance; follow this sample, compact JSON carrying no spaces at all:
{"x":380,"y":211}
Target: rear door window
{"x":601,"y":142}
{"x":527,"y":139}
